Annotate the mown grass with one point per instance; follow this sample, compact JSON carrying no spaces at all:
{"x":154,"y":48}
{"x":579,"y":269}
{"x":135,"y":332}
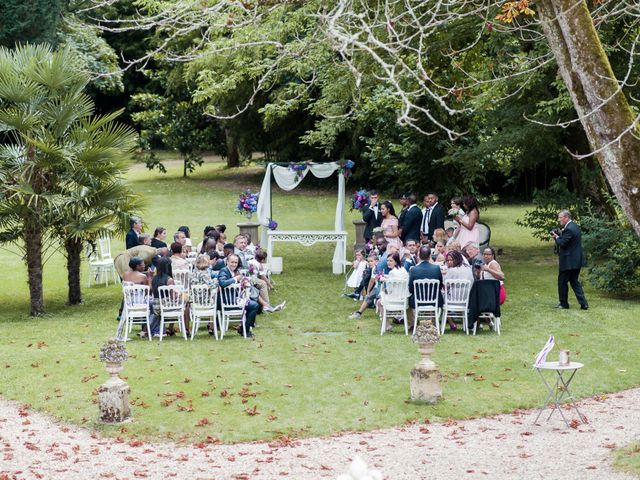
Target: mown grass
{"x":310,"y":371}
{"x":627,"y":459}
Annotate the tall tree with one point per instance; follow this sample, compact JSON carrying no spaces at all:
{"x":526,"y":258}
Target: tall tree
{"x":33,"y":21}
{"x":46,"y":134}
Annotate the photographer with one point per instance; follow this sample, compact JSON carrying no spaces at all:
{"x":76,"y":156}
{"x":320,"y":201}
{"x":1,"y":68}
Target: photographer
{"x":571,"y":260}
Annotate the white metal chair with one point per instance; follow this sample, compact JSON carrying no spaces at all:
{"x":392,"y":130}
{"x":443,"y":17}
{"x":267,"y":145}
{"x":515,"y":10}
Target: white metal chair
{"x":394,"y":300}
{"x":233,"y":303}
{"x":182,"y":278}
{"x":425,"y":293}
{"x":135,"y":310}
{"x":172,"y":303}
{"x":100,"y":262}
{"x":204,"y":305}
{"x":456,"y":302}
{"x":494,"y":322}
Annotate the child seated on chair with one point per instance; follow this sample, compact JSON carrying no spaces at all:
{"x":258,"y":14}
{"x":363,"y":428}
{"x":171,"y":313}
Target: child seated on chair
{"x":355,"y":279}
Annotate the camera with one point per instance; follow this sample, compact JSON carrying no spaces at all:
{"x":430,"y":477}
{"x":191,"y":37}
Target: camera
{"x":478,"y":263}
{"x":556,"y":231}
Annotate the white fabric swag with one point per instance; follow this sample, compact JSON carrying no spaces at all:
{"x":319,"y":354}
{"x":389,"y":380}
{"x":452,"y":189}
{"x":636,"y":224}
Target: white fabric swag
{"x":288,"y":180}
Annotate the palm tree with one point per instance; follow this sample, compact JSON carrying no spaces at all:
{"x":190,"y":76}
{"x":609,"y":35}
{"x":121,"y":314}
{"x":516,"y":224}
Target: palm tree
{"x":49,"y":143}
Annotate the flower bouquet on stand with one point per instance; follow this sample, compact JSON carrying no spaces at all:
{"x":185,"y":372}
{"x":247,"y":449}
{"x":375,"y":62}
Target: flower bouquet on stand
{"x":247,"y":203}
{"x":360,"y":199}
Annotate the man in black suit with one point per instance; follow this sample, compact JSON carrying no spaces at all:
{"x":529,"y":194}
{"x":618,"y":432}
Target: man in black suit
{"x":131,"y":239}
{"x":432,"y":216}
{"x":411,"y":221}
{"x":571,"y":260}
{"x":371,"y":215}
{"x":424,"y":270}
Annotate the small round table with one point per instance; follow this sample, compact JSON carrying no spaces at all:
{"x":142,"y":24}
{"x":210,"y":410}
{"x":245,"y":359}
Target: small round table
{"x":560,"y":389}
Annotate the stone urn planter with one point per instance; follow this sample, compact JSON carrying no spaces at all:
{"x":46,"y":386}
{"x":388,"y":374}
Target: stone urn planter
{"x":425,"y":376}
{"x":360,"y":243}
{"x":113,"y":395}
{"x":251,"y":228}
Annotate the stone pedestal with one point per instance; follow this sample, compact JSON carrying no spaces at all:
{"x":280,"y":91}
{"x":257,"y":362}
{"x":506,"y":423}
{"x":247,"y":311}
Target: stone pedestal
{"x":252,"y":229}
{"x":425,"y":377}
{"x":360,"y":243}
{"x":113,"y":397}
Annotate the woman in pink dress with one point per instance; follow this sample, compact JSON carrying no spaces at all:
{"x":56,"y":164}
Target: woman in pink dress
{"x":390,"y":224}
{"x":468,"y":230}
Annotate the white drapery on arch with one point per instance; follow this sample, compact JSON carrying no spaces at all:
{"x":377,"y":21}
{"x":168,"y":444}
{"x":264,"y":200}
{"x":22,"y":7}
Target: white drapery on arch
{"x":287,"y":180}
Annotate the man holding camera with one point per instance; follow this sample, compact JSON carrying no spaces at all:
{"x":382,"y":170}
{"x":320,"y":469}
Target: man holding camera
{"x":571,"y":260}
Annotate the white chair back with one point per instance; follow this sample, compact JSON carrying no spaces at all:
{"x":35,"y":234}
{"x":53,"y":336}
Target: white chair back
{"x":457,"y":292}
{"x":426,"y":292}
{"x":203,"y":297}
{"x":396,"y":290}
{"x":104,"y":248}
{"x":232,"y":297}
{"x":182,"y":278}
{"x":136,"y":297}
{"x":171,"y":298}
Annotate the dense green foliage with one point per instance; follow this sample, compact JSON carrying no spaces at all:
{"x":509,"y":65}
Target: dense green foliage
{"x":30,"y":21}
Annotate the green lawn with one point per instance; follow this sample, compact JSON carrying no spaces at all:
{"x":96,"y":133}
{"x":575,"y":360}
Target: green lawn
{"x":294,"y":380}
{"x":627,"y":459}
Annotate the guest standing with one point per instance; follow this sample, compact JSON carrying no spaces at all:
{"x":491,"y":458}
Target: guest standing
{"x":371,"y":216}
{"x":432,"y":216}
{"x":571,"y":260}
{"x":159,"y":237}
{"x":390,"y":224}
{"x":412,"y":220}
{"x":131,"y":239}
{"x":468,"y":230}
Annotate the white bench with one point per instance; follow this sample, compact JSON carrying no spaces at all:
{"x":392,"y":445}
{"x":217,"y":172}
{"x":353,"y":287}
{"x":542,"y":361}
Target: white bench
{"x":311,"y":237}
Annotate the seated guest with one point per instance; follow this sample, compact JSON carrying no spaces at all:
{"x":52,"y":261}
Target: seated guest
{"x":410,"y":258}
{"x":355,"y":278}
{"x":162,"y":278}
{"x":259,"y":265}
{"x":230,"y":275}
{"x":450,"y":235}
{"x":178,"y":260}
{"x":221,"y":229}
{"x":201,"y":274}
{"x":439,"y":235}
{"x":144,"y":239}
{"x":185,"y":230}
{"x":228,"y":249}
{"x":159,"y":237}
{"x":396,"y":272}
{"x":215,"y":262}
{"x":179,"y":237}
{"x":472,"y":253}
{"x":131,"y":239}
{"x":136,"y":274}
{"x":261,"y":283}
{"x":425,"y":270}
{"x":491,"y":269}
{"x":251,"y":248}
{"x":371,"y":288}
{"x":121,"y":261}
{"x":208,"y":245}
{"x":240,"y":249}
{"x":187,"y":247}
{"x":457,"y":270}
{"x":456,"y":247}
{"x":441,"y":249}
{"x":199,"y":248}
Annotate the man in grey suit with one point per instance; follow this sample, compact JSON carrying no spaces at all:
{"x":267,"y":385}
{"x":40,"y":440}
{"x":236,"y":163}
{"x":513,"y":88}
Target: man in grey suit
{"x":424,"y":270}
{"x":571,"y":260}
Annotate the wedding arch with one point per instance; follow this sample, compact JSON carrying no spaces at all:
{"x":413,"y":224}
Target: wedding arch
{"x":289,"y":177}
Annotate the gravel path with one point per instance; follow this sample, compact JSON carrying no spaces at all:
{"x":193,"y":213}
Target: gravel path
{"x":500,"y":447}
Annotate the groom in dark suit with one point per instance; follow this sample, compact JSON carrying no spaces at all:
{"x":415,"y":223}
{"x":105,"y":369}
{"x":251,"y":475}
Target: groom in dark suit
{"x":571,"y":260}
{"x":371,"y":215}
{"x":432,"y":217}
{"x":411,"y":220}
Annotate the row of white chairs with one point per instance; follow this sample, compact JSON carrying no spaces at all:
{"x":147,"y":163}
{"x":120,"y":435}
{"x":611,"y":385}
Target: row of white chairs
{"x":203,"y":308}
{"x":394,"y":300}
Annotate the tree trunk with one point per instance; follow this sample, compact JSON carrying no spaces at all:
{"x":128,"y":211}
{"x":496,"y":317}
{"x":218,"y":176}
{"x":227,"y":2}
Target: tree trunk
{"x":233,"y":155}
{"x":73,"y":247}
{"x":33,"y":246}
{"x":585,"y":69}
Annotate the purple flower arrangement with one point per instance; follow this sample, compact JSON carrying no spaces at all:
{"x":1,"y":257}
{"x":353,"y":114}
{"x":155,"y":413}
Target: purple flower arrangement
{"x":247,"y":203}
{"x":346,"y":167}
{"x":298,"y":168}
{"x":272,"y":224}
{"x":360,"y":199}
